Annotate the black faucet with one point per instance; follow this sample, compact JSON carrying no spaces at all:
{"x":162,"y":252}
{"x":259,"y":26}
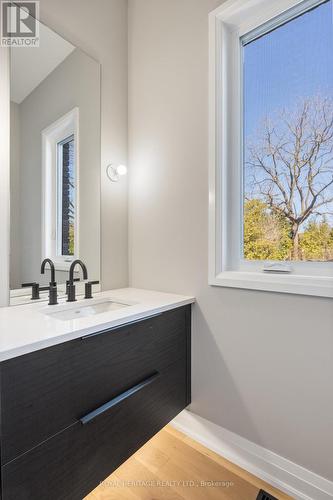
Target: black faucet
{"x":42,"y":270}
{"x":53,"y":293}
{"x":71,"y":286}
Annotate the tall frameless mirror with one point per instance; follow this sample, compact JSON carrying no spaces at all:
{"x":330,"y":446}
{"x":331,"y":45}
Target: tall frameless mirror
{"x":55,"y":162}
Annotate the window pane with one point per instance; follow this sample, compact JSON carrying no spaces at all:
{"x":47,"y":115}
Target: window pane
{"x":288,"y":140}
{"x":66,"y":196}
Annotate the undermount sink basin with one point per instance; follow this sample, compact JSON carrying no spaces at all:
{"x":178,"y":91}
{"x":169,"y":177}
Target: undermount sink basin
{"x":68,"y":313}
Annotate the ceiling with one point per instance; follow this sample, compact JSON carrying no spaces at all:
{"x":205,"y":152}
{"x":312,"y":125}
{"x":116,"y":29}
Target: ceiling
{"x":31,"y":65}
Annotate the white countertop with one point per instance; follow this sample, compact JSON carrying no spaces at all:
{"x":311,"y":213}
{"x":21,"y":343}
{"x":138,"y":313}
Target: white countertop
{"x":27,"y":328}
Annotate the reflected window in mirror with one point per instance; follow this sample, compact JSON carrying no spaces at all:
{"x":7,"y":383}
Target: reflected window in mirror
{"x":66,"y":195}
{"x":60,"y":186}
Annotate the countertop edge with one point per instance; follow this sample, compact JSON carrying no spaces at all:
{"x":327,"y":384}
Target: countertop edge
{"x":60,"y":339}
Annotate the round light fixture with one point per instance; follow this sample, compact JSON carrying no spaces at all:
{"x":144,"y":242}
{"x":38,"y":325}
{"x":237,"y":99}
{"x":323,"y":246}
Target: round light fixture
{"x":115,"y":171}
{"x":122,"y":169}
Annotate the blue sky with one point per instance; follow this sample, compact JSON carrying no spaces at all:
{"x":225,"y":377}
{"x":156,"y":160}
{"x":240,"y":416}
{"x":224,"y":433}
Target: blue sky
{"x":291,"y":62}
{"x":295,"y":60}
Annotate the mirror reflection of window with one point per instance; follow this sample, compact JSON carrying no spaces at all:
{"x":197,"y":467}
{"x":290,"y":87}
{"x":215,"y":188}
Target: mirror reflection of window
{"x":60,"y":165}
{"x":66,"y":195}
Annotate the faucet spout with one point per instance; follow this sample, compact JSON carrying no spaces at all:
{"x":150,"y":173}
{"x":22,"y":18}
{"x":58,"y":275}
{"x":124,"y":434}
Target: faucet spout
{"x":71,"y":286}
{"x":72,"y":268}
{"x":42,"y":269}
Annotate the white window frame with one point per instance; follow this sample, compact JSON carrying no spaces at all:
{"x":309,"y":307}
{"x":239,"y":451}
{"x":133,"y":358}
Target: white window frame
{"x":67,"y":125}
{"x":227,"y":25}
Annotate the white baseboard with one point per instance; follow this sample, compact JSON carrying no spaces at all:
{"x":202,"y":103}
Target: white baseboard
{"x":289,"y":477}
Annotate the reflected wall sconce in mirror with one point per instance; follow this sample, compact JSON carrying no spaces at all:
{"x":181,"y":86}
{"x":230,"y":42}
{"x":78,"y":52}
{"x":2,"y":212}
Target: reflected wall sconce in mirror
{"x":114,"y":172}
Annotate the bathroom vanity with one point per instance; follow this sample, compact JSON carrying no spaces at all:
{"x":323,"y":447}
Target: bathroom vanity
{"x":83,"y":384}
{"x":78,"y":397}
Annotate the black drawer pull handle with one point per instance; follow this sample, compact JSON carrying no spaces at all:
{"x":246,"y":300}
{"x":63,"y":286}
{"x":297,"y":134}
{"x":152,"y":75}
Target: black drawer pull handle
{"x":129,"y":323}
{"x":118,"y":399}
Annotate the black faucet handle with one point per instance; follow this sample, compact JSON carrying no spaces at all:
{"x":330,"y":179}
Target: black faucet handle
{"x":27,"y":285}
{"x":88,"y":289}
{"x":72,"y":281}
{"x":35,"y":289}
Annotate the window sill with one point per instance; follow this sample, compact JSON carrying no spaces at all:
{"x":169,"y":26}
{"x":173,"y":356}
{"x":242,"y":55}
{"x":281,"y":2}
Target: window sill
{"x":295,"y":284}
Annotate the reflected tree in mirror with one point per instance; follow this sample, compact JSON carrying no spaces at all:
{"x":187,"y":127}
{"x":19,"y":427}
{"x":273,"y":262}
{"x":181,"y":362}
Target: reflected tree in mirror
{"x":66,"y":196}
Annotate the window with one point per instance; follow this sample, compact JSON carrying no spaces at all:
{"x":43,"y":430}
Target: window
{"x":60,"y":162}
{"x":66,"y":196}
{"x":271,"y":146}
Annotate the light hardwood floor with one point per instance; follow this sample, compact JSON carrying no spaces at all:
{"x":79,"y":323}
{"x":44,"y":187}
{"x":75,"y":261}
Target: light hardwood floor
{"x":172,"y":466}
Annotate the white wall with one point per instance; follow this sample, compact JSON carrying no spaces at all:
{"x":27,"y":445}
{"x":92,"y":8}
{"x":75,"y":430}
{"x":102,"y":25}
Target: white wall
{"x":100,"y":28}
{"x":262,"y":362}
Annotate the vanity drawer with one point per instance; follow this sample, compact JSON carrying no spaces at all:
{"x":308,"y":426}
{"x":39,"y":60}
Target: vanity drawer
{"x":72,"y":463}
{"x":46,"y":391}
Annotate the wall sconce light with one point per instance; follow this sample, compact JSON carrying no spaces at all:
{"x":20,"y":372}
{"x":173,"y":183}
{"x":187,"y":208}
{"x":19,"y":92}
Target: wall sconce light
{"x":115,"y":171}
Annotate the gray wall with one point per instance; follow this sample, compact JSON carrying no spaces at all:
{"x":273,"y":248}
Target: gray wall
{"x":262,"y":362}
{"x":74,"y":83}
{"x":100,"y":28}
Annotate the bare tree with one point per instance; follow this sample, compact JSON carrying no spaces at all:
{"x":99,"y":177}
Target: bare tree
{"x":290,"y":167}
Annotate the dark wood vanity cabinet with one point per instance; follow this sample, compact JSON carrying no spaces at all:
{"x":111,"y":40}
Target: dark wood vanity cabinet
{"x":72,"y":413}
